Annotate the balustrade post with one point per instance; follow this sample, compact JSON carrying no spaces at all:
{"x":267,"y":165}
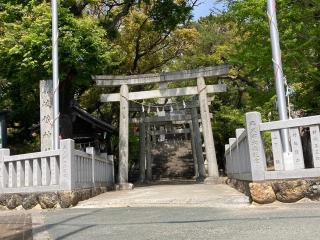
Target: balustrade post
{"x":28,"y":173}
{"x":54,"y":169}
{"x":233,"y":154}
{"x":3,"y":170}
{"x":36,"y":170}
{"x":110,"y":158}
{"x":90,"y":150}
{"x":20,"y":174}
{"x":45,"y":171}
{"x":315,"y":139}
{"x":240,"y":159}
{"x":106,"y":167}
{"x":67,"y":164}
{"x":256,"y":147}
{"x":277,"y":150}
{"x":227,"y":157}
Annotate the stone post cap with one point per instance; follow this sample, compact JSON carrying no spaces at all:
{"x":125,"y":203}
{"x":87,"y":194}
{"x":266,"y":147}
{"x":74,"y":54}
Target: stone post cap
{"x":90,"y":150}
{"x":252,"y":114}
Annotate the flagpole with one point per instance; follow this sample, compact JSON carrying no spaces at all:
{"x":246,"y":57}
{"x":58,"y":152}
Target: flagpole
{"x":55,"y":74}
{"x":278,"y":72}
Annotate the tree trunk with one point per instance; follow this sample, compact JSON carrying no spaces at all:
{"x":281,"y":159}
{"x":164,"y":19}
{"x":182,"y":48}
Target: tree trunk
{"x":66,"y":101}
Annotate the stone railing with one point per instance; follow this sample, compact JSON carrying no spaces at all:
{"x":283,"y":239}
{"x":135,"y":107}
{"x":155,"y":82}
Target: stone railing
{"x":65,"y":169}
{"x":237,"y":156}
{"x":246,"y":155}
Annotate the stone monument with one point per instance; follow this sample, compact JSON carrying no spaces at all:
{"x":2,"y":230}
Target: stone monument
{"x":46,"y":115}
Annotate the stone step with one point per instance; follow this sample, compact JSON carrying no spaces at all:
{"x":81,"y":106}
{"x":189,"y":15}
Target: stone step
{"x":172,"y":160}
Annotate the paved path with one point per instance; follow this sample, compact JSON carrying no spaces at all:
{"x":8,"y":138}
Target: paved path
{"x":175,"y":212}
{"x":22,"y":225}
{"x":15,"y":225}
{"x":183,"y":212}
{"x":297,"y":221}
{"x":181,"y":195}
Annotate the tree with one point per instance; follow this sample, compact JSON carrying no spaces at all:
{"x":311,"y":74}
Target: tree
{"x":89,"y":31}
{"x":240,"y":36}
{"x":298,"y":23}
{"x":149,"y":47}
{"x":25,"y":49}
{"x":148,"y":43}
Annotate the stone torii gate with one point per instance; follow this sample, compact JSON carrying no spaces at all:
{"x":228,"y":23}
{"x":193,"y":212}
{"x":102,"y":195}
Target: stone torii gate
{"x":125,"y":96}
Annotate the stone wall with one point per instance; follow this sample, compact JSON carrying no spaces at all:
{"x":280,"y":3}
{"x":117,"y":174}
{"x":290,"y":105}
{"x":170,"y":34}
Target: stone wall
{"x":62,"y":199}
{"x":240,"y":185}
{"x":286,"y":191}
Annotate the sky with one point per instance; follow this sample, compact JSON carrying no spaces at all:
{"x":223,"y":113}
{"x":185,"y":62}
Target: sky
{"x":204,"y":7}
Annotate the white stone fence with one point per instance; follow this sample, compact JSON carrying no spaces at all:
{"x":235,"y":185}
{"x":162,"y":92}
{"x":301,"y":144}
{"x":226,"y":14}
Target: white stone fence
{"x":246,"y":155}
{"x":65,"y":169}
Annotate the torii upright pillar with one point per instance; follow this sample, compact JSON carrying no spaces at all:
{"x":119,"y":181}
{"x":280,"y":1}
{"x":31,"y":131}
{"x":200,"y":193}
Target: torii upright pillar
{"x":148,"y":154}
{"x":194,"y":153}
{"x":124,"y":138}
{"x":198,"y":145}
{"x":142,"y":136}
{"x":213,"y":172}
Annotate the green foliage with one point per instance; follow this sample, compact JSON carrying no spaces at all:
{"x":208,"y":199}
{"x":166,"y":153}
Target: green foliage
{"x":133,"y":37}
{"x":299,"y":26}
{"x":240,"y":36}
{"x":25,"y":44}
{"x":94,"y":38}
{"x":167,"y":14}
{"x":25,"y":50}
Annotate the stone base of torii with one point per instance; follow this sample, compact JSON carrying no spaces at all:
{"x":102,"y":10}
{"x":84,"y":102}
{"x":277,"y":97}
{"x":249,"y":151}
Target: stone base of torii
{"x":201,"y":90}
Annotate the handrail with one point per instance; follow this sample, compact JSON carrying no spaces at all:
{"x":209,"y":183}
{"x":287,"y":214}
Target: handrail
{"x":252,"y":154}
{"x":82,"y":154}
{"x":55,"y":170}
{"x":290,"y":123}
{"x":238,"y":140}
{"x":242,"y":136}
{"x":102,"y":159}
{"x":31,"y":155}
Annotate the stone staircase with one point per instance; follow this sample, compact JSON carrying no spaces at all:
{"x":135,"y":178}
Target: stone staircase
{"x":172,"y":160}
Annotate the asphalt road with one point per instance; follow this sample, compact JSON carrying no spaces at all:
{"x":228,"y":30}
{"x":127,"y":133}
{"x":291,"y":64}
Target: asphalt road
{"x":276,"y":221}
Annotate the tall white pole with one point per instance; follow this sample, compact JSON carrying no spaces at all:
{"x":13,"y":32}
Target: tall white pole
{"x":278,"y":73}
{"x":55,"y":74}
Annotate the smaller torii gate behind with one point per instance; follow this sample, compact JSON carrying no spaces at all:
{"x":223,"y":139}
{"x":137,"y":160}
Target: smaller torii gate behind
{"x":125,"y":96}
{"x":166,"y":119}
